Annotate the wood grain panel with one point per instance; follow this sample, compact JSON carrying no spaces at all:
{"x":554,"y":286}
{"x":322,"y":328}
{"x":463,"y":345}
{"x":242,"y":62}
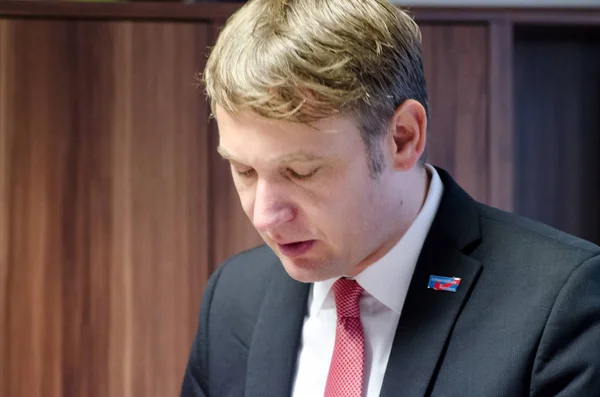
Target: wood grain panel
{"x":456,"y":68}
{"x":232,"y":231}
{"x":104,"y":229}
{"x":501,"y":122}
{"x":207,"y":11}
{"x":35,"y":137}
{"x":557,"y":171}
{"x":5,"y":160}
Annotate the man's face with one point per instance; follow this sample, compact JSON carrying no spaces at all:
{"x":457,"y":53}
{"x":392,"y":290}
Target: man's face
{"x":308,"y":191}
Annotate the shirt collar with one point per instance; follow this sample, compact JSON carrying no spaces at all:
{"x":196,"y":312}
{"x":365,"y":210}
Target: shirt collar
{"x":387,"y":279}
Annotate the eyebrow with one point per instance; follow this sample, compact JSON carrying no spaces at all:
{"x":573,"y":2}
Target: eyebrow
{"x":300,"y":156}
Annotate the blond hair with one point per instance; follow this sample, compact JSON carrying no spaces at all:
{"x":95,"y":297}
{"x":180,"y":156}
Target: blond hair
{"x":305,"y":60}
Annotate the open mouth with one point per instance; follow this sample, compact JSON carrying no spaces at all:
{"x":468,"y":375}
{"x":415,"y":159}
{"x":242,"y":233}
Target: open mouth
{"x":297,"y":248}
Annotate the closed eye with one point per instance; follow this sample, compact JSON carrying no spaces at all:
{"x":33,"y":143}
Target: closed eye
{"x":301,"y":177}
{"x":246,"y":173}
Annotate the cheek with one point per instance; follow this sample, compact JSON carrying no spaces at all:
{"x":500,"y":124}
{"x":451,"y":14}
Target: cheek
{"x":246,"y":197}
{"x":337,"y":213}
{"x":357,"y":213}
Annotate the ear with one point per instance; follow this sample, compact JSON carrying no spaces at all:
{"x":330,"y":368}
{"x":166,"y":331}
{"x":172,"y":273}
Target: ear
{"x":407,"y":135}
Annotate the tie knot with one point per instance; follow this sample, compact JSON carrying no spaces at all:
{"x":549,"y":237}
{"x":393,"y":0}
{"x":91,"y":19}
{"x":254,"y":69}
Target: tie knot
{"x":347,"y":297}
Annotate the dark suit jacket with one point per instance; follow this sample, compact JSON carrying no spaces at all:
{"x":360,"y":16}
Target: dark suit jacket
{"x":525,"y":320}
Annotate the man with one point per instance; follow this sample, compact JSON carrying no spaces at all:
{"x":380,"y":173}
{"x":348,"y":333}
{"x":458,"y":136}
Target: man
{"x":380,"y":276}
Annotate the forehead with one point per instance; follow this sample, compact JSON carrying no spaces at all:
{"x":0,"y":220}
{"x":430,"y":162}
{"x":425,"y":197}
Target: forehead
{"x":250,"y":136}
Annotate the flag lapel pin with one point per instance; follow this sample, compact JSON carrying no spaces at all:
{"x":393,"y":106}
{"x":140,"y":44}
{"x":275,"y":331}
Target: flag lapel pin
{"x":439,"y":283}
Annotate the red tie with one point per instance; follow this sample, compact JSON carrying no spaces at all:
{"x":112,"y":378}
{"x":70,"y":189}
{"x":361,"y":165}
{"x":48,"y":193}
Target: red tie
{"x":346,"y":371}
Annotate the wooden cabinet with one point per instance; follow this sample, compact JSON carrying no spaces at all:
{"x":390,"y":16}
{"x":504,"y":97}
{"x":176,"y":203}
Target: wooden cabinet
{"x":115,"y":208}
{"x":104,"y":174}
{"x":557,"y":126}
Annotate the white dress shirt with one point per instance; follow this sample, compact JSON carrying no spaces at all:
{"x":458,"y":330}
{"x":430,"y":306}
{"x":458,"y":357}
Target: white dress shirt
{"x":386,"y":284}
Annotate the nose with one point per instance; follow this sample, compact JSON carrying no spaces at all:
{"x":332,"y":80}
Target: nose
{"x":271,"y":207}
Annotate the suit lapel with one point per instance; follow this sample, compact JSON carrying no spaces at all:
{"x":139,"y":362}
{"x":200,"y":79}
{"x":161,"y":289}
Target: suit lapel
{"x":428,"y":316}
{"x":276,"y":339}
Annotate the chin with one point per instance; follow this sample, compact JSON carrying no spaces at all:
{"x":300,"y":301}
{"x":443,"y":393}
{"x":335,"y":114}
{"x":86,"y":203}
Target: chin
{"x":306,"y":270}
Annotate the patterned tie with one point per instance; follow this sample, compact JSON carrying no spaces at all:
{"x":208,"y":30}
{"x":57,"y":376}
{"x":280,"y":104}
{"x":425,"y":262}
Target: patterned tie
{"x":346,"y":371}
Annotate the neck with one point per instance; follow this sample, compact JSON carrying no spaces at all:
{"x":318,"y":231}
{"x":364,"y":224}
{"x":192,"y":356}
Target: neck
{"x":413,"y":191}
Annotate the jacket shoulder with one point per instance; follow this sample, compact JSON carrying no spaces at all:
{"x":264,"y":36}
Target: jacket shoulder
{"x":252,"y":264}
{"x":530,"y":247}
{"x":528,"y":231}
{"x":241,"y":281}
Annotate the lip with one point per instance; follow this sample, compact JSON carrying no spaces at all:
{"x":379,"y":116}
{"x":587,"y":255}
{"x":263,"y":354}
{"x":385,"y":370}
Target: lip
{"x":292,"y":250}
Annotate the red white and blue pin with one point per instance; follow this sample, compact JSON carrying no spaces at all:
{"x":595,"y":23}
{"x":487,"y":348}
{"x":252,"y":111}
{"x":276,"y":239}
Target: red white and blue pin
{"x":440,"y":283}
